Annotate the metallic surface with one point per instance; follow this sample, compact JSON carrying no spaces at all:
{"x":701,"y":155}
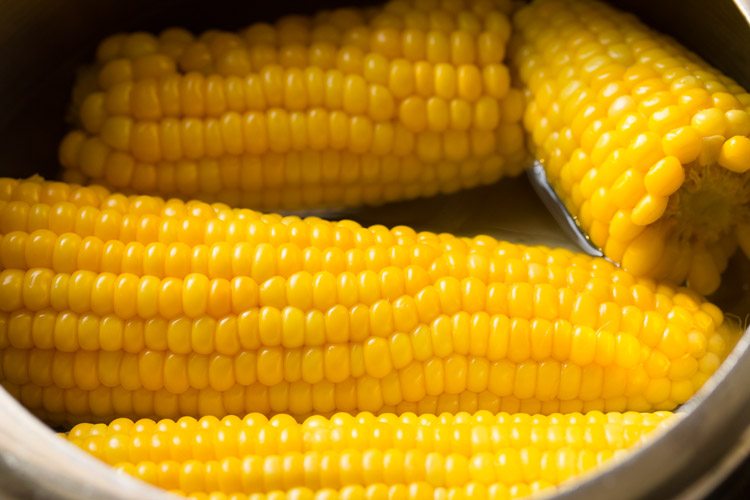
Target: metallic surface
{"x":36,"y":463}
{"x":42,"y":42}
{"x":554,"y":204}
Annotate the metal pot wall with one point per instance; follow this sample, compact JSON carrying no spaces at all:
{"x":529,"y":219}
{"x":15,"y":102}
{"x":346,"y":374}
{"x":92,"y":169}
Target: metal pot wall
{"x":43,"y":41}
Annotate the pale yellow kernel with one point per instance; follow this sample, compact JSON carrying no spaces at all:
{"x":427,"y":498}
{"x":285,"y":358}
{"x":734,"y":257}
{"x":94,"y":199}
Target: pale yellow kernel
{"x":735,"y":154}
{"x":665,"y":177}
{"x":684,"y":143}
{"x":709,"y":122}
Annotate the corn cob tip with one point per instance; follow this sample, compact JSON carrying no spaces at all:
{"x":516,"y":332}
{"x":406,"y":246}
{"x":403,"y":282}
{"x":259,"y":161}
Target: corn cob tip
{"x":646,"y":144}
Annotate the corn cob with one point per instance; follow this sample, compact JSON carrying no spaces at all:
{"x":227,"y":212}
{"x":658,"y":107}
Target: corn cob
{"x":493,"y":455}
{"x":135,"y":306}
{"x":645,"y":143}
{"x":348,"y":108}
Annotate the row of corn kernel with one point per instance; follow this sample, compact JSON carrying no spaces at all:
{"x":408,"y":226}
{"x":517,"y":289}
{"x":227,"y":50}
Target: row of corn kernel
{"x":257,"y":455}
{"x":433,"y":47}
{"x":328,"y":178}
{"x":407,"y":293}
{"x":176,"y":377}
{"x":458,"y":50}
{"x":384,"y":297}
{"x":145,"y":244}
{"x":478,"y":35}
{"x":339,"y":27}
{"x":33,"y":204}
{"x":417,"y":323}
{"x":363,"y":93}
{"x":291,"y":32}
{"x":413,"y":491}
{"x":463,"y":433}
{"x":74,"y":405}
{"x":257,"y":133}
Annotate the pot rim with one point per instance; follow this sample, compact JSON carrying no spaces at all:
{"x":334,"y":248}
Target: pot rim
{"x":36,"y":463}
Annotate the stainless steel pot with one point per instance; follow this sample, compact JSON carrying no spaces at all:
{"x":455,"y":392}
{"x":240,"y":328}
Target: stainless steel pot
{"x":42,"y":42}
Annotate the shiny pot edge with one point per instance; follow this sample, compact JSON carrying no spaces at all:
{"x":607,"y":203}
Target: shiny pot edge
{"x":36,"y":463}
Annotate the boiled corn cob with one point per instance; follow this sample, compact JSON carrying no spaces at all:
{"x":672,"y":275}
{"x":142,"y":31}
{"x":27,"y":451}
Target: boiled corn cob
{"x":350,"y":107}
{"x":647,"y":145}
{"x":135,"y":306}
{"x":364,"y":456}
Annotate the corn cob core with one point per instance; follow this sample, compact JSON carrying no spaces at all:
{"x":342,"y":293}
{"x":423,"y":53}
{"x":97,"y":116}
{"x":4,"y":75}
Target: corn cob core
{"x":135,"y":306}
{"x":411,"y":100}
{"x":646,"y":143}
{"x":498,"y":455}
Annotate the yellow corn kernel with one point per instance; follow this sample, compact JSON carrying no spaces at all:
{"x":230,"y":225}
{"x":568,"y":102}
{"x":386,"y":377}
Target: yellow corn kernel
{"x":316,"y":177}
{"x":683,"y":143}
{"x":735,"y":154}
{"x":710,"y":122}
{"x":665,"y":177}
